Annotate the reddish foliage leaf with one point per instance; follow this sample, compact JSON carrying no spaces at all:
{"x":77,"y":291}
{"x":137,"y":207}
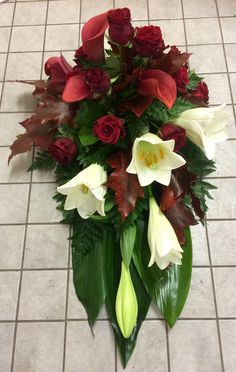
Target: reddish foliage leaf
{"x":126,"y":186}
{"x":172,"y":61}
{"x":50,"y":113}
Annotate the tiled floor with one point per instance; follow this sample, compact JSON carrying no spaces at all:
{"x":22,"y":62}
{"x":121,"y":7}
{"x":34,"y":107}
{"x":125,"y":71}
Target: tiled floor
{"x":42,"y":325}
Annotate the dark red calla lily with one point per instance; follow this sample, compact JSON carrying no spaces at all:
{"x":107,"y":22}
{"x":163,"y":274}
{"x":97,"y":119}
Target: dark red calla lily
{"x":93,"y":36}
{"x":158,"y":84}
{"x":57,"y":68}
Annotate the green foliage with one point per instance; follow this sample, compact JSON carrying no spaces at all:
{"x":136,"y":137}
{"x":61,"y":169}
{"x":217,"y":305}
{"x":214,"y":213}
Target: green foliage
{"x":136,"y":126}
{"x":87,"y":137}
{"x":180,"y":106}
{"x":197,"y":162}
{"x":201,"y":190}
{"x":194,"y":80}
{"x":43,"y":161}
{"x":89,"y":111}
{"x":113,"y":65}
{"x":87,"y":260}
{"x":127,"y":241}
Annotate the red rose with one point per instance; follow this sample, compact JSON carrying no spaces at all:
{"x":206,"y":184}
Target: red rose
{"x":120,"y":29}
{"x":201,"y":92}
{"x":170,"y":131}
{"x":63,"y":150}
{"x":181,"y":79}
{"x":98,"y":80}
{"x":148,"y":41}
{"x":109,"y":129}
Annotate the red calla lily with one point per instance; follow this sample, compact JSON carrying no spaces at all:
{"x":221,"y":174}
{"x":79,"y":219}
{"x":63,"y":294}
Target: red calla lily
{"x":76,"y":89}
{"x":93,"y":37}
{"x":158,"y":84}
{"x":57,"y":68}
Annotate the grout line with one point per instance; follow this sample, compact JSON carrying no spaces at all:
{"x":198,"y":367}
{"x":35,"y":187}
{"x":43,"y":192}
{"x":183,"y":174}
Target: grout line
{"x":184,"y":24}
{"x":215,"y":300}
{"x":167,"y":347}
{"x":66,"y":305}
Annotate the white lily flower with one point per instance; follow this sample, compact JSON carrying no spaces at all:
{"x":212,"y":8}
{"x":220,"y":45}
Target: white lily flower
{"x":153,"y":159}
{"x":86,"y":191}
{"x":163,"y":242}
{"x":205,"y":126}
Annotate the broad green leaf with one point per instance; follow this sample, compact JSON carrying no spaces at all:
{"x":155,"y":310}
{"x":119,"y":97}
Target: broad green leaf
{"x":86,"y":136}
{"x":89,"y":111}
{"x":87,"y":259}
{"x":168,"y":288}
{"x":112,"y":264}
{"x":127,"y":243}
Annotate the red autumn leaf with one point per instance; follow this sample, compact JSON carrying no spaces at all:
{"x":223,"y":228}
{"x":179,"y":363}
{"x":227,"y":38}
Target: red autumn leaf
{"x":174,"y":209}
{"x":158,"y":84}
{"x":137,"y":105}
{"x":126,"y":186}
{"x":93,"y":36}
{"x":172,"y":61}
{"x":50,"y":113}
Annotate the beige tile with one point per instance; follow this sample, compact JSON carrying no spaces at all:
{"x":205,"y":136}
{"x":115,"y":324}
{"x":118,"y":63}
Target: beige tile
{"x":62,"y":12}
{"x":231,"y":57}
{"x":203,"y":31}
{"x":222,"y":248}
{"x":233,"y":85}
{"x":2,"y":65}
{"x":46,"y":246}
{"x":152,"y":337}
{"x":194,"y":346}
{"x":26,"y":39}
{"x":16,"y":171}
{"x":229,"y":29}
{"x":224,"y":204}
{"x":138,"y":8}
{"x":62,"y":37}
{"x":10,"y":127}
{"x":199,"y":243}
{"x":89,"y":11}
{"x":225,"y":283}
{"x":207,"y":58}
{"x":6,"y":343}
{"x":172,"y":31}
{"x":84,"y":352}
{"x":11,"y":246}
{"x":203,"y":8}
{"x":42,"y":206}
{"x":17,"y":97}
{"x":228,"y":339}
{"x":4,"y":38}
{"x":43,"y":295}
{"x":219,"y":91}
{"x":24,"y":66}
{"x":231,"y":128}
{"x":165,"y":9}
{"x":13,"y":201}
{"x":75,"y":308}
{"x":200,"y":301}
{"x":42,"y":175}
{"x":6,"y":14}
{"x":9,"y":285}
{"x":39,"y":347}
{"x":225,"y":159}
{"x":33,"y":13}
{"x":227,"y":7}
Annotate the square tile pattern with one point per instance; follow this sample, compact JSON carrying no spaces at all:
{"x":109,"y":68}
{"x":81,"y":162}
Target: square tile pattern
{"x":42,"y":325}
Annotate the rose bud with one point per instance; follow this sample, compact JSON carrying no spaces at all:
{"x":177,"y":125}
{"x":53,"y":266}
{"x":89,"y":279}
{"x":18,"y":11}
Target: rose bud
{"x":63,"y":150}
{"x":120,"y":28}
{"x":201,"y":92}
{"x":170,"y":131}
{"x":109,"y":129}
{"x":181,"y":79}
{"x":148,"y":41}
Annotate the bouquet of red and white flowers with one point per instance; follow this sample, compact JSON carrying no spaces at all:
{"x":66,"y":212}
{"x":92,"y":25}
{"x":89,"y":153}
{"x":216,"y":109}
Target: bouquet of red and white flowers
{"x":130,"y":136}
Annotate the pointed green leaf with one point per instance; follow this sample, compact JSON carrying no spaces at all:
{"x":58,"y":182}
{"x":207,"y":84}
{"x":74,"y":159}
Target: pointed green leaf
{"x":86,"y":136}
{"x":87,"y":259}
{"x":127,"y":243}
{"x":168,"y":288}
